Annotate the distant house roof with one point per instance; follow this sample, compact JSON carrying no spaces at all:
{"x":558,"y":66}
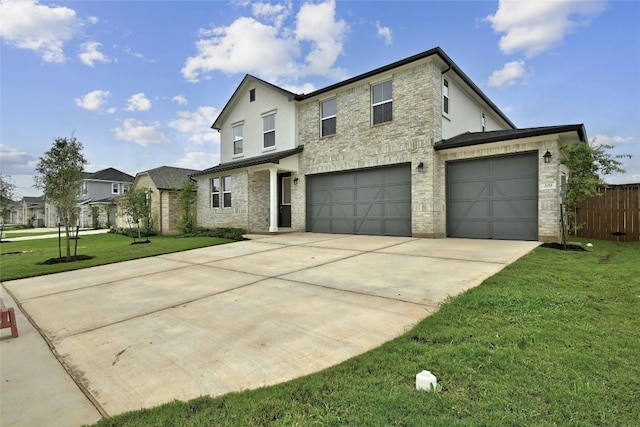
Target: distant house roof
{"x":253,"y":161}
{"x":168,"y":177}
{"x":474,"y":138}
{"x":33,"y":201}
{"x":110,"y":174}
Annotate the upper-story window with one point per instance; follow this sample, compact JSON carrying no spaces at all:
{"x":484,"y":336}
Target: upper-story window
{"x":382,"y":101}
{"x":328,"y":119}
{"x":252,"y":95}
{"x":238,"y":139}
{"x":483,"y":122}
{"x":445,"y":96}
{"x":269,"y":130}
{"x":115,"y":189}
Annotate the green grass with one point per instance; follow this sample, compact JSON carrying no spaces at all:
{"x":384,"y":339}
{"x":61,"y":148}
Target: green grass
{"x":552,"y":340}
{"x":23,"y":258}
{"x":14,"y":234}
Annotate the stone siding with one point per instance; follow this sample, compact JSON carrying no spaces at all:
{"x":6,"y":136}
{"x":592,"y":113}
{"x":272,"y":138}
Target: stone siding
{"x":357,"y":144}
{"x":548,"y":180}
{"x":235,"y":216}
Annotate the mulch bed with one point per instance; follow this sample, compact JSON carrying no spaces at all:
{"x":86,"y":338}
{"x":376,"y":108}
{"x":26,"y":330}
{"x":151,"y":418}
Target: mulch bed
{"x":64,"y":259}
{"x":567,"y":247}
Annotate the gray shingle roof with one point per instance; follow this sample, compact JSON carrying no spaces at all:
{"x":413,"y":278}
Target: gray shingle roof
{"x":254,"y":161}
{"x":474,"y":138}
{"x":110,"y":174}
{"x":168,"y":177}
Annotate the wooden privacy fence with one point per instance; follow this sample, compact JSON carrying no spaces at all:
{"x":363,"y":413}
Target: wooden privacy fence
{"x":613,"y":216}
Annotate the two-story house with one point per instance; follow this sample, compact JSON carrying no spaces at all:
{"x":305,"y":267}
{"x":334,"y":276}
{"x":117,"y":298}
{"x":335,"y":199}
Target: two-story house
{"x":413,"y":148}
{"x":100,"y":189}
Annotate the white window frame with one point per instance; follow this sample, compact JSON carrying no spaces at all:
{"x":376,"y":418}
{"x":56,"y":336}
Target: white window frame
{"x":268,"y":131}
{"x":238,"y":138}
{"x":384,"y":101}
{"x":324,"y":118}
{"x":223,"y":188}
{"x":215,"y":190}
{"x":483,"y":121}
{"x":115,"y":188}
{"x":226,"y":190}
{"x":446,"y":84}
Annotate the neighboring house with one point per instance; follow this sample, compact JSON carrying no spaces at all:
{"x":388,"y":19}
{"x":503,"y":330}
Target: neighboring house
{"x":162,"y":184}
{"x":100,"y":189}
{"x":413,"y":148}
{"x":31,"y":211}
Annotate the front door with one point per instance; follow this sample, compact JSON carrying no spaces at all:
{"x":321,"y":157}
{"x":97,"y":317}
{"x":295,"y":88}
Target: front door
{"x":284,"y":216}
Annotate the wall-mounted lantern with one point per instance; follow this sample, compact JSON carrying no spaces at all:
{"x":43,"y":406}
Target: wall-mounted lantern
{"x":420,"y":167}
{"x":547,"y":157}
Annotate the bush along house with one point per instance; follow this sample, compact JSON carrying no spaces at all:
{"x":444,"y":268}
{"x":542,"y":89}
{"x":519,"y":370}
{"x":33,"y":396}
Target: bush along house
{"x":413,"y":148}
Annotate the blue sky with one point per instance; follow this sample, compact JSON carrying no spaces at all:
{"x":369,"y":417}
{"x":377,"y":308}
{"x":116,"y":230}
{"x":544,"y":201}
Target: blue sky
{"x":139,"y":83}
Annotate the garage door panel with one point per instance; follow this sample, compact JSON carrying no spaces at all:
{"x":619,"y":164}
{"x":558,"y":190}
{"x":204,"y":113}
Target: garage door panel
{"x":367,"y":201}
{"x":472,"y":209}
{"x":493,"y":198}
{"x":520,"y":209}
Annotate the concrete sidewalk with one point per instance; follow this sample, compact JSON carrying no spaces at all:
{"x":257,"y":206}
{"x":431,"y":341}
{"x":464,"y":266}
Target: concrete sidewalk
{"x":238,"y":316}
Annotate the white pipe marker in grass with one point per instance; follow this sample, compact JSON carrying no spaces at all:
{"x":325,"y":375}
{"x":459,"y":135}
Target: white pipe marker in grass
{"x":425,"y":380}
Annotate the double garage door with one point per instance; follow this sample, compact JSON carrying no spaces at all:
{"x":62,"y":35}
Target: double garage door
{"x":489,"y":198}
{"x":374,"y":201}
{"x":493,"y":198}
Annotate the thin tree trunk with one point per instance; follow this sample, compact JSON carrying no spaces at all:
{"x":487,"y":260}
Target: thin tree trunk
{"x":66,"y":229}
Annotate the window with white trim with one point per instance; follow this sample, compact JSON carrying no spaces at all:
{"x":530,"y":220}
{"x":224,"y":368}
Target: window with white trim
{"x":445,"y":96}
{"x":483,"y":122}
{"x":215,"y":192}
{"x":328,"y":117}
{"x":114,"y":188}
{"x":221,"y":192}
{"x":226,"y":191}
{"x":269,"y":130}
{"x":382,"y":102}
{"x":238,"y":139}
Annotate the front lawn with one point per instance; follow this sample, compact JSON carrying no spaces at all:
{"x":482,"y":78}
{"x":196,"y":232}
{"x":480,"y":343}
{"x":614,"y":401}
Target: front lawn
{"x":552,"y":340}
{"x":24,"y":258}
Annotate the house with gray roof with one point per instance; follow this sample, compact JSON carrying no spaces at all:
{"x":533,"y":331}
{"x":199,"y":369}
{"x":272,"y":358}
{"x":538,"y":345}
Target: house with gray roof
{"x":98,"y":193}
{"x":413,"y":148}
{"x":162,"y":185}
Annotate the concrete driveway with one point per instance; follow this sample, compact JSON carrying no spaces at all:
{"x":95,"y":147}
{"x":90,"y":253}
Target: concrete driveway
{"x":247,"y":314}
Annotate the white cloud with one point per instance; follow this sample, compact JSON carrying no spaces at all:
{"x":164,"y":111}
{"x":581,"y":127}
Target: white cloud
{"x":180,"y":99}
{"x":300,"y":89}
{"x":536,"y":26}
{"x":274,"y":13}
{"x":93,"y":20}
{"x":43,"y":29}
{"x":385,"y":33}
{"x":140,"y":133}
{"x":270,"y":49}
{"x":138,"y":102}
{"x":198,"y":123}
{"x":511,"y":72}
{"x":16,"y":161}
{"x":197,"y":160}
{"x":612,"y":140}
{"x":317,"y":24}
{"x":89,"y":54}
{"x":94,"y":100}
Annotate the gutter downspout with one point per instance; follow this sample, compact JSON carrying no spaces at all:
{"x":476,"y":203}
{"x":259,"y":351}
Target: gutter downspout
{"x":161,"y":231}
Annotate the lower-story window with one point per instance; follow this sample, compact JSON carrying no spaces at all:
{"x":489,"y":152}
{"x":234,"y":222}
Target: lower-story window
{"x":221,"y":186}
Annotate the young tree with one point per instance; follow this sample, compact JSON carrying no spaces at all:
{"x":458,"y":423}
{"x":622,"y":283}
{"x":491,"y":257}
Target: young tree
{"x":136,"y":207}
{"x":60,"y":174}
{"x":186,"y":199}
{"x":7,"y":193}
{"x":588,"y":165}
{"x":95,"y":216}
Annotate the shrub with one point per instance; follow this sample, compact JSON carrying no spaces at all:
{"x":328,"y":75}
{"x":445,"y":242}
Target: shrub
{"x":221,"y":232}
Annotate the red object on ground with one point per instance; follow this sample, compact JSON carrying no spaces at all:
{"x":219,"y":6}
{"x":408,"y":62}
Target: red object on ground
{"x":8,"y":319}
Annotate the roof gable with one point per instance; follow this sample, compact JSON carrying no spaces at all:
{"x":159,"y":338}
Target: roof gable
{"x":241,"y":91}
{"x":168,"y":177}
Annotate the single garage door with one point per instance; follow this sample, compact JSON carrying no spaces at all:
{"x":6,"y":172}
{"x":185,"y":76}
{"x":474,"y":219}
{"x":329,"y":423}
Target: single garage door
{"x":373,"y":201}
{"x":493,"y":198}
